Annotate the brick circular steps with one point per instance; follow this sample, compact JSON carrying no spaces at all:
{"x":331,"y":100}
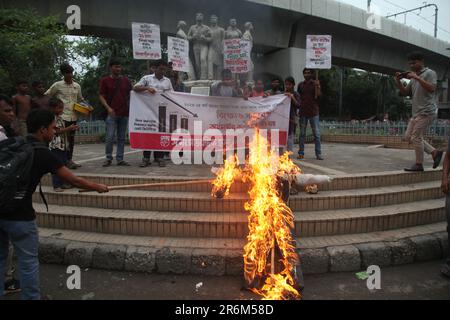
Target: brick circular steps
{"x":208,"y":256}
{"x":389,"y":217}
{"x":354,"y":181}
{"x":203,"y":202}
{"x":234,"y":225}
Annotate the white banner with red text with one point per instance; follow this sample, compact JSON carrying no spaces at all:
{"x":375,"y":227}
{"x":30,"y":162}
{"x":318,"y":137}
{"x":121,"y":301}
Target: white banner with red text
{"x":170,"y":120}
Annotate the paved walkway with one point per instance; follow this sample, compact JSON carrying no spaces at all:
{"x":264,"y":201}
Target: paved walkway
{"x":417,"y":281}
{"x":340,"y":159}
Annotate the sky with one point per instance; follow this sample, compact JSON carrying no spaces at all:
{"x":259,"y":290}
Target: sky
{"x":424,"y":22}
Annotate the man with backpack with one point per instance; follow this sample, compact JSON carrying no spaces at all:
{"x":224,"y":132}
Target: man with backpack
{"x":23,"y":162}
{"x":7,"y":117}
{"x":115,"y":97}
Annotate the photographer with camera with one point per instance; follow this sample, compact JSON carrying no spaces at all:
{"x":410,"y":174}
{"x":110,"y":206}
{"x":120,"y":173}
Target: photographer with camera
{"x":422,"y":89}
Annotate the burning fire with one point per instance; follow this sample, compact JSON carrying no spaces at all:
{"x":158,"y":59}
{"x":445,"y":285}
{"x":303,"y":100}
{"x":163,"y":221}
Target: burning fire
{"x":225,"y":178}
{"x":269,"y":255}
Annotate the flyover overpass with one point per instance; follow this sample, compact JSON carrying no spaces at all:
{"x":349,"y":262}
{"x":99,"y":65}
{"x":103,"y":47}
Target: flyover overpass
{"x":281,"y":27}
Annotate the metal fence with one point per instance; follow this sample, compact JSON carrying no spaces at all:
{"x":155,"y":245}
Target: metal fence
{"x":439,"y":128}
{"x":92,"y":128}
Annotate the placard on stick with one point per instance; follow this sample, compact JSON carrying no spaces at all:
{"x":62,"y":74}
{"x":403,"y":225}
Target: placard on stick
{"x":178,"y":53}
{"x":237,"y":55}
{"x":318,"y":51}
{"x":146,"y":41}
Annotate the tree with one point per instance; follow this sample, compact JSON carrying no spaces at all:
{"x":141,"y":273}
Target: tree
{"x":31,"y":48}
{"x":104,"y":49}
{"x":365,"y":95}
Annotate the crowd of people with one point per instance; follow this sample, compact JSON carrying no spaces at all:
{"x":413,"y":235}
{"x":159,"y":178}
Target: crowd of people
{"x":48,"y":122}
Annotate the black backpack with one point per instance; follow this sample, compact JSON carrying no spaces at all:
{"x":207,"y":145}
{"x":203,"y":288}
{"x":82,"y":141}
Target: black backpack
{"x":16,"y":162}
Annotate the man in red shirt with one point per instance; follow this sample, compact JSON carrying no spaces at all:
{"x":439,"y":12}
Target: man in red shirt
{"x":310,"y":92}
{"x":115,"y":97}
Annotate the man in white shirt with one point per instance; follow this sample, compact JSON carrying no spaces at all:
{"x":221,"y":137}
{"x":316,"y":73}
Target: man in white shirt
{"x":151,"y":84}
{"x":69,"y":92}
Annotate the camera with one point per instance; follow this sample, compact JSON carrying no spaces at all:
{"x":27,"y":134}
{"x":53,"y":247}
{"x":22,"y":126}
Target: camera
{"x":404,"y":75}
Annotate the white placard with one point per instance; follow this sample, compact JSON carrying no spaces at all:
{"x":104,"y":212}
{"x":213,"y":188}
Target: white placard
{"x":237,"y":55}
{"x":146,"y":41}
{"x":178,"y":53}
{"x":318,"y":51}
{"x":202,"y":91}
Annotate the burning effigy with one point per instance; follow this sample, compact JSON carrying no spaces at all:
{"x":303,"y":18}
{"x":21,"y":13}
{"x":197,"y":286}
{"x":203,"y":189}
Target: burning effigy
{"x":270,"y":260}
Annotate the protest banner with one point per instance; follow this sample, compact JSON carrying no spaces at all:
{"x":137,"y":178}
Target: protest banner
{"x":146,"y":41}
{"x":318,"y":51}
{"x":178,"y":53}
{"x":153,"y":118}
{"x":237,"y":55}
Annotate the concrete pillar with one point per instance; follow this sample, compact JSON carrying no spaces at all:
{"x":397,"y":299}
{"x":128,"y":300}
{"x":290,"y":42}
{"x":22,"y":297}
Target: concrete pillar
{"x":284,"y":62}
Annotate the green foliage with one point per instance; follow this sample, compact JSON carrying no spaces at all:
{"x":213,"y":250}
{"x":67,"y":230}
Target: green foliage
{"x":364,"y":95}
{"x":104,"y":49}
{"x":31,"y":48}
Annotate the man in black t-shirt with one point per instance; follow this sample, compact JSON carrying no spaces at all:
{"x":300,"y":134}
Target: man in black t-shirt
{"x":7,"y":117}
{"x":18,"y":218}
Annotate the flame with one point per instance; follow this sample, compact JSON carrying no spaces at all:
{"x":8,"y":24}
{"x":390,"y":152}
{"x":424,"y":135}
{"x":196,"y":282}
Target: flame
{"x":270,"y":220}
{"x":225,"y":178}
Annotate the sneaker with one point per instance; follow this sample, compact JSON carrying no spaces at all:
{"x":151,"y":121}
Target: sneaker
{"x":319,"y":157}
{"x":301,"y":156}
{"x":145,"y":163}
{"x":77,"y":165}
{"x":123,"y":164}
{"x":446,"y":270}
{"x":12,"y":286}
{"x":71,"y":166}
{"x":67,"y":186}
{"x":415,"y":168}
{"x":107,"y":163}
{"x":58,"y":189}
{"x":437,"y":159}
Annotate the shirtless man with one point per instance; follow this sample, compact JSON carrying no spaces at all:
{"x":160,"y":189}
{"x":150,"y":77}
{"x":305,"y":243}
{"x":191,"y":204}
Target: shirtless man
{"x":40,"y":101}
{"x":22,"y":106}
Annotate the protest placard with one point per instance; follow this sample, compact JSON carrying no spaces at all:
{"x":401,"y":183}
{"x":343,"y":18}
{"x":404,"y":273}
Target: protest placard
{"x":318,"y":51}
{"x":146,"y":41}
{"x":237,"y":55}
{"x":178,"y":53}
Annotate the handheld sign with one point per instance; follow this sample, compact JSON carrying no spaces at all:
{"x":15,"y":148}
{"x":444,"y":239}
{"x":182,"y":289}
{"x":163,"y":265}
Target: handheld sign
{"x":237,"y":55}
{"x":318,"y":51}
{"x":146,"y":41}
{"x":178,"y":53}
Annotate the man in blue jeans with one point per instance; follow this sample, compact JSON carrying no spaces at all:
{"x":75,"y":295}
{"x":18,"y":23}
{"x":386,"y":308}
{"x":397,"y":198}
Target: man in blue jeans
{"x":17,"y":216}
{"x":115,"y":97}
{"x":446,"y":190}
{"x":309,"y":91}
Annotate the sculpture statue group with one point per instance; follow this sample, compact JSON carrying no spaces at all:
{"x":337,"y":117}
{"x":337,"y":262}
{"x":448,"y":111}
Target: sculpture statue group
{"x":207,"y":44}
